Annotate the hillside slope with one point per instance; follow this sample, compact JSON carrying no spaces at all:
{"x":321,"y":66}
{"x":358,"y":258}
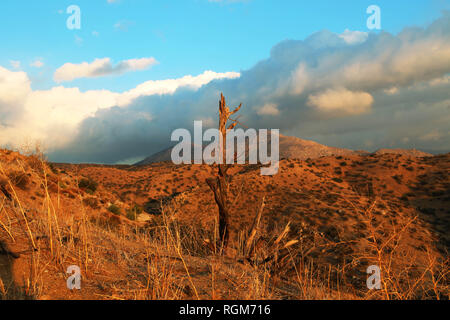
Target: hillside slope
{"x":290,"y":148}
{"x":339,"y":214}
{"x":405,"y":152}
{"x":296,"y":148}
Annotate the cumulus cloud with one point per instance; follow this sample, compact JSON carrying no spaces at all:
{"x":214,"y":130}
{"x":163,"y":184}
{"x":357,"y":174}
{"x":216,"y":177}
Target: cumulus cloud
{"x":354,"y":37}
{"x":311,"y":82}
{"x":53,"y":116}
{"x":14,"y":87}
{"x":169,"y":86}
{"x":269,"y":109}
{"x":341,"y":101}
{"x":100,"y":68}
{"x":308,"y":82}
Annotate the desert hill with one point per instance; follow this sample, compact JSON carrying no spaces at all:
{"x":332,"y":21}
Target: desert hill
{"x":406,"y":152}
{"x":290,"y":148}
{"x":296,"y":148}
{"x":143,"y":232}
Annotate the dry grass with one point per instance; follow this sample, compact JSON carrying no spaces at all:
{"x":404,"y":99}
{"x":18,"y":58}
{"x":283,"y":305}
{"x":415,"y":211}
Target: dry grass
{"x":169,"y":259}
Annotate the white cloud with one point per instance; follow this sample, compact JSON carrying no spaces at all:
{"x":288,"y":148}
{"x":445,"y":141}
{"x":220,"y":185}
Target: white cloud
{"x":342,"y":100}
{"x":389,"y":61}
{"x":14,"y":86}
{"x":395,"y":84}
{"x":37,"y":64}
{"x":52,"y":116}
{"x":169,"y":86}
{"x":354,"y":37}
{"x":269,"y":109}
{"x":316,"y":84}
{"x":100,"y":68}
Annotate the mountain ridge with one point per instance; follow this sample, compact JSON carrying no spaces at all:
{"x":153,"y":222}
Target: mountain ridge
{"x":296,"y":148}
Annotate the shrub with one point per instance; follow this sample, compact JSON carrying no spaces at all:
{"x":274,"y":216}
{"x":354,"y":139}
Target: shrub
{"x":404,"y":197}
{"x":88,"y":184}
{"x":52,"y":168}
{"x":19,"y":179}
{"x":398,"y":178}
{"x":91,"y":202}
{"x":153,"y":206}
{"x":36,"y":163}
{"x":115,"y":209}
{"x":133,"y":212}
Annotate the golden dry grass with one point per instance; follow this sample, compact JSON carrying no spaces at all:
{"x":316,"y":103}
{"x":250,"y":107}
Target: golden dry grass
{"x":52,"y":225}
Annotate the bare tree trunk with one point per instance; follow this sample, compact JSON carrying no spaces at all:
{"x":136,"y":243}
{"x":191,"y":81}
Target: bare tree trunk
{"x":220,"y":184}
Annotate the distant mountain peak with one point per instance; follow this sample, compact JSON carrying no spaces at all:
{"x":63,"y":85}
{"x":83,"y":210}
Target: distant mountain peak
{"x":405,"y":152}
{"x":290,"y":148}
{"x":297,"y":148}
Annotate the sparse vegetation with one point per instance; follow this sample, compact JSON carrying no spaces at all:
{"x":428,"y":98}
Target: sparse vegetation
{"x":88,"y":184}
{"x":312,"y":237}
{"x":19,"y":179}
{"x":114,"y":209}
{"x":133,"y":212}
{"x":91,"y":202}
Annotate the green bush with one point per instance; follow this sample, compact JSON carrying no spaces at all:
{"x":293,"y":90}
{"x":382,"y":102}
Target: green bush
{"x":91,"y":202}
{"x":53,"y":168}
{"x":87,"y":184}
{"x":19,"y":179}
{"x":133,"y":212}
{"x":115,"y":209}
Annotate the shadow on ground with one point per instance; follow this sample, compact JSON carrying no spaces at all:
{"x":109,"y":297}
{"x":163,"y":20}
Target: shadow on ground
{"x":9,"y":290}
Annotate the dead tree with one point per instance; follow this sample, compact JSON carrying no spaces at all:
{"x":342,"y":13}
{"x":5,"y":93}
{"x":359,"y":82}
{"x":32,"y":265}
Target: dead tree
{"x":220,"y":183}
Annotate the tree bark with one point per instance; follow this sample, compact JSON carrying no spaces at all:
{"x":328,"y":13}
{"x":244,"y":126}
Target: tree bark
{"x":220,"y":184}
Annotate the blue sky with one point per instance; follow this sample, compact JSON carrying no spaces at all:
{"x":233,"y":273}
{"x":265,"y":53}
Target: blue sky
{"x":185,"y":36}
{"x":136,"y":70}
